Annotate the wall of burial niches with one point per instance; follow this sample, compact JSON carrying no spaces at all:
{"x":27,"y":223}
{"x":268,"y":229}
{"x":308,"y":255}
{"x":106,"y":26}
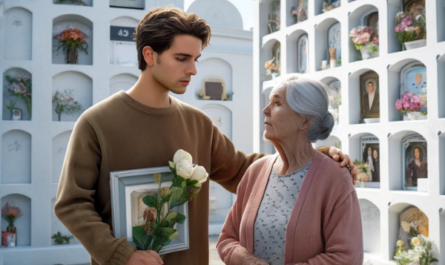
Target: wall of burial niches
{"x":382,"y":203}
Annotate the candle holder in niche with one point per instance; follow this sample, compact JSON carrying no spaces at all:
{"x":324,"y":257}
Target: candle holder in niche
{"x":303,"y":54}
{"x":413,"y":92}
{"x":370,"y":97}
{"x":411,"y":24}
{"x":274,"y":18}
{"x":415,"y":163}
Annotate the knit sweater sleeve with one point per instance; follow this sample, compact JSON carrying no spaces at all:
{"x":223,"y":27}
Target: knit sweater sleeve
{"x":75,"y":198}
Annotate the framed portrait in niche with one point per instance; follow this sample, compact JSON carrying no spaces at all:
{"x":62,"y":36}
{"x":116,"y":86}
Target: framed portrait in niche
{"x":370,"y":96}
{"x":411,"y":5}
{"x":412,"y":223}
{"x":413,"y":79}
{"x":334,"y":99}
{"x":334,"y":41}
{"x":128,"y":188}
{"x":214,"y":88}
{"x":371,"y":19}
{"x":370,"y":154}
{"x":415,"y":160}
{"x":303,"y":54}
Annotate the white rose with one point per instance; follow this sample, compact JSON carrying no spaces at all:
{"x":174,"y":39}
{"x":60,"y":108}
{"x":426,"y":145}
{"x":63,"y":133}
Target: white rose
{"x":182,"y":155}
{"x":184,"y":169}
{"x":199,"y":174}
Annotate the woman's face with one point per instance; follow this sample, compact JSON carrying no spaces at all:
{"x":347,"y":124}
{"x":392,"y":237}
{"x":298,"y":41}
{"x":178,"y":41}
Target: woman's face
{"x":374,"y":154}
{"x":416,"y":153}
{"x":281,"y":122}
{"x":369,"y":151}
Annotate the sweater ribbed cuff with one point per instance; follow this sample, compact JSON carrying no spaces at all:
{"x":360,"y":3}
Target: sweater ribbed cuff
{"x":122,"y":254}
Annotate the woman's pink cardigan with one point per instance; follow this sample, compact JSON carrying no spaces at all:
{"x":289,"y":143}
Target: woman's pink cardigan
{"x":325,"y":225}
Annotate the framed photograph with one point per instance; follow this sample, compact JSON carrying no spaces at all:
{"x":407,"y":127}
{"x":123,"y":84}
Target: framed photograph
{"x":410,"y":5}
{"x":135,"y":4}
{"x":128,"y":188}
{"x":415,"y":160}
{"x":334,"y":40}
{"x":303,"y":54}
{"x":412,"y":222}
{"x":334,"y":99}
{"x":370,"y":151}
{"x":413,"y":79}
{"x":369,"y":95}
{"x":214,"y":88}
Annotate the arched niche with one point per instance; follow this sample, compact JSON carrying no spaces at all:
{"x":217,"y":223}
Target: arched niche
{"x":213,"y":67}
{"x":122,"y":45}
{"x":440,"y":20}
{"x":16,"y":157}
{"x":59,"y":147}
{"x":57,"y":226}
{"x":295,"y":52}
{"x":17,"y":78}
{"x":72,"y":21}
{"x":441,"y":81}
{"x":122,"y":82}
{"x":219,"y":13}
{"x":359,"y":17}
{"x":370,"y":226}
{"x":23,"y":223}
{"x":73,"y":2}
{"x":328,"y":35}
{"x":79,"y":86}
{"x":18,"y":29}
{"x":270,"y":54}
{"x":221,"y":117}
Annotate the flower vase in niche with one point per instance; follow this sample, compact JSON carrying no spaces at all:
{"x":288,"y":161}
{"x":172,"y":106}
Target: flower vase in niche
{"x":413,"y":92}
{"x":333,"y":61}
{"x":71,"y":41}
{"x":19,"y":89}
{"x":10,"y":214}
{"x":411,"y":24}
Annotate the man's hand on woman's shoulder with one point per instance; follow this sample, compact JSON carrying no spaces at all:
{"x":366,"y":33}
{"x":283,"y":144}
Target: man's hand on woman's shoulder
{"x":346,"y":161}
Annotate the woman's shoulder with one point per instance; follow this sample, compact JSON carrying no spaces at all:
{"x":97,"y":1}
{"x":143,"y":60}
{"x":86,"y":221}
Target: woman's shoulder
{"x":335,"y":176}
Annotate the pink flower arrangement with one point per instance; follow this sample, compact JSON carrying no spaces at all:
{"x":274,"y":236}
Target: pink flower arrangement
{"x":411,"y":25}
{"x":411,"y":102}
{"x":363,"y":36}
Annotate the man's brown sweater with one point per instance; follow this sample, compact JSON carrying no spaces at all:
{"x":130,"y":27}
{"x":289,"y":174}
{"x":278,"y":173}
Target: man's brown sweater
{"x":120,"y":133}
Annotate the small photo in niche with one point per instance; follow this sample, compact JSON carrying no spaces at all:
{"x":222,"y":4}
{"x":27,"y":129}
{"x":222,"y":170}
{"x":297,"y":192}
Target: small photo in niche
{"x":370,"y":97}
{"x":415,"y":161}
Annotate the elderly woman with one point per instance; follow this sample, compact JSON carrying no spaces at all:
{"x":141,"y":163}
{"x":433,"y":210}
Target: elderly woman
{"x":298,"y":206}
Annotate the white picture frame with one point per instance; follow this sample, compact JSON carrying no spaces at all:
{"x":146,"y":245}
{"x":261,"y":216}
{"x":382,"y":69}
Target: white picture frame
{"x":123,"y":184}
{"x":366,"y":142}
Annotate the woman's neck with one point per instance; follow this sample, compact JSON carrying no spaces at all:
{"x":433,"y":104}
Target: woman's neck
{"x":293,"y":155}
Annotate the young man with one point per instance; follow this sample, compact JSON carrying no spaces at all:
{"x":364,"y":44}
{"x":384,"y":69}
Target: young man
{"x":142,"y":128}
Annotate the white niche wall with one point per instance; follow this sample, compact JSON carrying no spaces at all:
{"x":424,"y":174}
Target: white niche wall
{"x":18,"y":29}
{"x":322,"y":43}
{"x":213,"y":67}
{"x":72,"y":21}
{"x":23,"y":223}
{"x":440,"y":20}
{"x":57,"y":226}
{"x":59,"y":147}
{"x":124,"y":52}
{"x":81,"y":86}
{"x":122,"y":82}
{"x":13,"y":72}
{"x":292,"y":52}
{"x":441,"y":82}
{"x":370,"y":214}
{"x":221,"y":117}
{"x":16,"y":157}
{"x":332,"y":140}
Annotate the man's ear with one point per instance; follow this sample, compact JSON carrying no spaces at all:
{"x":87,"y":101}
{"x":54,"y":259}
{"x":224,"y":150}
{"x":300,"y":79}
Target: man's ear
{"x":148,"y":54}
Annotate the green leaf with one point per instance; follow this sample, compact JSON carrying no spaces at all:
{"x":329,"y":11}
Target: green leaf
{"x":175,"y":198}
{"x":180,"y":218}
{"x":150,"y":201}
{"x":172,"y":166}
{"x":169,"y":232}
{"x":146,"y":241}
{"x":191,"y":182}
{"x":139,"y":234}
{"x":165,"y":241}
{"x":183,"y":185}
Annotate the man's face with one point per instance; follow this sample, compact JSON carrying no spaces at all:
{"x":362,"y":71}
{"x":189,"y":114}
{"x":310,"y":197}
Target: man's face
{"x":174,"y":67}
{"x":370,"y":87}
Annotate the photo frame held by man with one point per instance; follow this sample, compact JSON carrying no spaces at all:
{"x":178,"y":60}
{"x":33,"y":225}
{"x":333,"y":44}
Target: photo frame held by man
{"x":369,"y":95}
{"x":214,"y":88}
{"x":415,"y":160}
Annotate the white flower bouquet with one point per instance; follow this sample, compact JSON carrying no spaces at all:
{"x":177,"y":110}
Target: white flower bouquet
{"x":158,"y":230}
{"x":419,"y":254}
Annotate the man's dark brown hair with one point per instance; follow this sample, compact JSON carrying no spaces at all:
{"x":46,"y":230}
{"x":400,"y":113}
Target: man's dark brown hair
{"x":160,"y":25}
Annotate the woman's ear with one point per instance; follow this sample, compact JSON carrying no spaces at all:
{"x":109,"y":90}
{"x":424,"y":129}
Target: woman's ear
{"x":307,"y":123}
{"x":148,"y":54}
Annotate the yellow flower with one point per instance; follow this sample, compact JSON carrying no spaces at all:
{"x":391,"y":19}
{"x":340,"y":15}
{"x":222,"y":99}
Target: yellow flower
{"x":157,"y":178}
{"x":415,"y":240}
{"x":400,"y":243}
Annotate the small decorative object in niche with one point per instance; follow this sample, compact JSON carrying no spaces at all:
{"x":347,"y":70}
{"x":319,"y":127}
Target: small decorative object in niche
{"x":329,"y":5}
{"x":370,"y":96}
{"x":334,"y":41}
{"x":415,"y":160}
{"x":213,"y":89}
{"x":71,"y":41}
{"x":303,"y":54}
{"x":156,"y":201}
{"x":363,"y":173}
{"x":71,"y":2}
{"x":19,"y":87}
{"x":10,"y":213}
{"x":274,"y":19}
{"x":365,"y":41}
{"x":60,"y":239}
{"x":369,"y":148}
{"x":302,"y":10}
{"x":273,"y":66}
{"x":413,"y":92}
{"x":64,"y":103}
{"x":334,"y":99}
{"x":411,"y":24}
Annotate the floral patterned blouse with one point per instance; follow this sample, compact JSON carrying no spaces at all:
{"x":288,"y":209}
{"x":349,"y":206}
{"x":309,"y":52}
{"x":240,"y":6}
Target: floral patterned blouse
{"x":270,"y":225}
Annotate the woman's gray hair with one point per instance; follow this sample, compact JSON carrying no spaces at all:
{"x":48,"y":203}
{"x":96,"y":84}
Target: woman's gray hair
{"x":309,"y":98}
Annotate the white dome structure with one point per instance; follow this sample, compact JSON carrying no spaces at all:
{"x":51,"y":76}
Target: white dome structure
{"x":219,"y":13}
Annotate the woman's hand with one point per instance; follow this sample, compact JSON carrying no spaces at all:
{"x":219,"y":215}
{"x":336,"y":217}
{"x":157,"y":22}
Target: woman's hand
{"x":338,"y":155}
